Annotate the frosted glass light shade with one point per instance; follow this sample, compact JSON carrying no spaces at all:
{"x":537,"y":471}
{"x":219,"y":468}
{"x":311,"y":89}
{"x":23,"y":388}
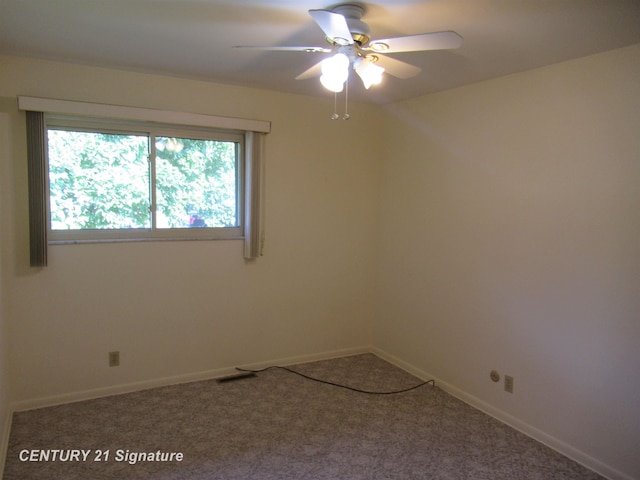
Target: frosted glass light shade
{"x":369,"y":72}
{"x":335,"y":71}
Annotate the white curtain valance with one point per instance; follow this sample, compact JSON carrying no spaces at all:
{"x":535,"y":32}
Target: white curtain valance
{"x":68,"y":107}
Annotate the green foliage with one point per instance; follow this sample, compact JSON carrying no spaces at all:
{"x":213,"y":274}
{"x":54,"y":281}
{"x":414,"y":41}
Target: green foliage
{"x":196,"y":181}
{"x":98,"y":180}
{"x":102,"y":181}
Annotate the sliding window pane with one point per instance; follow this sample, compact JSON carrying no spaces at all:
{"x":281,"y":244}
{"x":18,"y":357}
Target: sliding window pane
{"x":196,"y":183}
{"x":98,"y":180}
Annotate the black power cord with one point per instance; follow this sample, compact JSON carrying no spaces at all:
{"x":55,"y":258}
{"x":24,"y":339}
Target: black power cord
{"x":394,"y":392}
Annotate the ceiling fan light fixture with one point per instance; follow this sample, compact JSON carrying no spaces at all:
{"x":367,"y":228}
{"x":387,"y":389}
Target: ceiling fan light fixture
{"x":331,"y":85}
{"x":369,"y":73}
{"x":335,"y":71}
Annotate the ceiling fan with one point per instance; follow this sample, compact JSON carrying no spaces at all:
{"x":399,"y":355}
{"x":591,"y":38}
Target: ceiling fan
{"x":352,"y":47}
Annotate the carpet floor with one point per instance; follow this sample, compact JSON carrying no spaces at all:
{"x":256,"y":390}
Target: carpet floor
{"x":279,"y":425}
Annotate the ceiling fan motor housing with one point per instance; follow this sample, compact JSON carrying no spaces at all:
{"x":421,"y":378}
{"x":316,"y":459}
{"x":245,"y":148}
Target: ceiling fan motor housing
{"x":352,"y":13}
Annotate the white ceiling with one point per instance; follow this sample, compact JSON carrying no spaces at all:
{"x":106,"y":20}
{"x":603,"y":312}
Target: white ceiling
{"x":194,"y":38}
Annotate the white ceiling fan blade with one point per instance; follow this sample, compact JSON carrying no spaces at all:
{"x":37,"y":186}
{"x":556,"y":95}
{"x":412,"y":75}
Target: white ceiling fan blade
{"x":333,"y":25}
{"x":286,"y":49}
{"x":397,"y":68}
{"x":314,"y":71}
{"x":414,"y":43}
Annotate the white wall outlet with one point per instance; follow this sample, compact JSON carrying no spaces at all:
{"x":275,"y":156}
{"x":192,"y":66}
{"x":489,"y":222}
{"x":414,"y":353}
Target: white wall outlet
{"x":508,"y":383}
{"x":114,"y":359}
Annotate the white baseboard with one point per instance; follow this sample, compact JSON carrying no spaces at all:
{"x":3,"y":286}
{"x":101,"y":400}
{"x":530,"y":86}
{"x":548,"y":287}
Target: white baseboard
{"x":538,"y":435}
{"x":346,"y":352}
{"x":175,"y":380}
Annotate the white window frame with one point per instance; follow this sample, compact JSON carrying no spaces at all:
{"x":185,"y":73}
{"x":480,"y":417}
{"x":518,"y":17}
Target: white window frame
{"x":151,"y":130}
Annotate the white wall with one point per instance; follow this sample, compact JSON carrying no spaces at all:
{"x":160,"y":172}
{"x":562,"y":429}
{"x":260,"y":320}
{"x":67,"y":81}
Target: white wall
{"x":510,"y":240}
{"x":178,"y":308}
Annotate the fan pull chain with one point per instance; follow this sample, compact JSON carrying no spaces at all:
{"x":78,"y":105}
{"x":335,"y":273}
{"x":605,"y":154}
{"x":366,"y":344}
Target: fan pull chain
{"x":335,"y":115}
{"x":346,"y":115}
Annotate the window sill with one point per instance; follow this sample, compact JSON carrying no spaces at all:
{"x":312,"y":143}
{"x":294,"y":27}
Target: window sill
{"x":137,"y":240}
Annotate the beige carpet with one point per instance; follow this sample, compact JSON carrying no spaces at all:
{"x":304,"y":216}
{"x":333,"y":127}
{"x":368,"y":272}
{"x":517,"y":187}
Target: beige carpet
{"x":279,"y":425}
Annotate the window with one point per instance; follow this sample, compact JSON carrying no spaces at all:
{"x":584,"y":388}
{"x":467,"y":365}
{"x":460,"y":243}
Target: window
{"x":114,"y":180}
{"x":171,"y":175}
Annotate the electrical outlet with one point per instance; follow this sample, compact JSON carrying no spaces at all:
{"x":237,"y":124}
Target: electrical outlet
{"x":508,"y":383}
{"x":495,"y":376}
{"x":114,"y":359}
